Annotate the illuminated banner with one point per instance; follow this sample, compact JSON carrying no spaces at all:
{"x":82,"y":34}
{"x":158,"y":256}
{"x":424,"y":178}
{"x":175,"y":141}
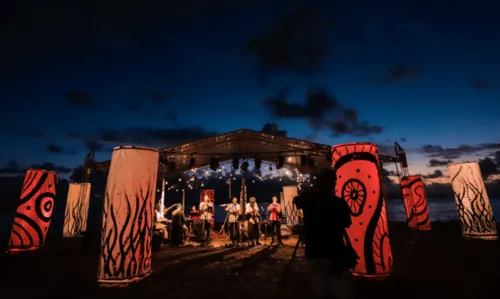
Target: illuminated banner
{"x":127,"y":216}
{"x":356,"y":166}
{"x":473,"y":205}
{"x":211,"y":194}
{"x":77,"y":209}
{"x":33,"y":215}
{"x":291,"y":214}
{"x":415,"y":202}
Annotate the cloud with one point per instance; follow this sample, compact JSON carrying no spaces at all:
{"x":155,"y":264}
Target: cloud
{"x":13,"y":167}
{"x":438,"y":163}
{"x":402,"y":139}
{"x":159,"y":97}
{"x":488,"y":167}
{"x":78,"y":98}
{"x":399,"y":73}
{"x":273,"y":129}
{"x":321,"y":110}
{"x":171,"y":115}
{"x":52,"y":148}
{"x":437,"y":151}
{"x":154,"y":137}
{"x":296,"y":43}
{"x":437,"y":174}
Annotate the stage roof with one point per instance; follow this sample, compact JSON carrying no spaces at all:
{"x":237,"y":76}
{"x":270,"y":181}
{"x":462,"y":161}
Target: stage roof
{"x":248,"y":144}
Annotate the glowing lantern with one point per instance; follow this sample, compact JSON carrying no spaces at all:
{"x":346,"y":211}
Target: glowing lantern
{"x":473,"y":205}
{"x":415,"y":202}
{"x":127,"y":216}
{"x":33,"y":215}
{"x":211,"y":195}
{"x":356,"y":166}
{"x":77,"y":209}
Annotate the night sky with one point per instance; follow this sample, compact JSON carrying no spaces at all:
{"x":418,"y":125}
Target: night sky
{"x":79,"y":76}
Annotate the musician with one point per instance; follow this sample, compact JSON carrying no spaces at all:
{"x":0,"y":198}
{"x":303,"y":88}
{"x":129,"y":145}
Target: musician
{"x":233,"y":211}
{"x":161,"y":220}
{"x":275,"y":217}
{"x":253,"y":219}
{"x":206,"y":209}
{"x":194,"y":214}
{"x":178,"y":226}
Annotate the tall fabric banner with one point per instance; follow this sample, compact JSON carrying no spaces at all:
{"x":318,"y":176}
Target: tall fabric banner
{"x":127,"y":216}
{"x":473,"y":204}
{"x":77,"y":209}
{"x":211,"y":194}
{"x":357,"y":169}
{"x":415,"y":201}
{"x":34,"y":212}
{"x":291,"y":213}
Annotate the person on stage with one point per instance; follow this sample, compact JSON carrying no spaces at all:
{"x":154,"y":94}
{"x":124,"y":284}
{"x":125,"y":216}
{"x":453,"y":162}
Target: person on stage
{"x":233,"y":210}
{"x":194,"y":214}
{"x":178,"y":226}
{"x":206,"y":210}
{"x":161,"y":221}
{"x":275,"y":218}
{"x":253,"y":219}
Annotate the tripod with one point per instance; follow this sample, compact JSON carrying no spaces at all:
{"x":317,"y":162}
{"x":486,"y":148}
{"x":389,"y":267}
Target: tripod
{"x":287,"y":270}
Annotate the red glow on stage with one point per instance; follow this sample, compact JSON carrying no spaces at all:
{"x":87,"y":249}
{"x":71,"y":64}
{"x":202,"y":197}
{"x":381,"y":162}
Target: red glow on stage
{"x":414,"y":198}
{"x":127,"y":216}
{"x":358,"y":182}
{"x":211,"y":194}
{"x":33,"y":215}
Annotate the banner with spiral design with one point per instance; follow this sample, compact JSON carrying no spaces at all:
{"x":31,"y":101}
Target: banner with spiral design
{"x":34,"y":213}
{"x":415,"y":202}
{"x":77,"y":209}
{"x":473,"y":204}
{"x":357,"y":168}
{"x":127,"y":216}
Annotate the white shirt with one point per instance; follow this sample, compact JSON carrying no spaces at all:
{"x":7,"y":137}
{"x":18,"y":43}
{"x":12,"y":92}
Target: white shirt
{"x":233,"y":210}
{"x":250,"y":210}
{"x":158,"y":215}
{"x":205,"y":214}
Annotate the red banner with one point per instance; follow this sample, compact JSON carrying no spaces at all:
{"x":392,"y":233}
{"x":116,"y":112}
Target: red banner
{"x":413,"y":190}
{"x":34,"y":213}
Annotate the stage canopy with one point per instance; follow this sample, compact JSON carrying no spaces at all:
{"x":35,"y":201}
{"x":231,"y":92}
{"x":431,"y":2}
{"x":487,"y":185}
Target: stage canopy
{"x":247,"y":144}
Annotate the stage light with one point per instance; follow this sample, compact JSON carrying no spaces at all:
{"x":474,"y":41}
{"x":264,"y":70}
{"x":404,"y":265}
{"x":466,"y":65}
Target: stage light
{"x":236,"y":163}
{"x":214,"y":163}
{"x":280,"y":162}
{"x":303,"y":160}
{"x":191,"y":162}
{"x":244,"y":166}
{"x":270,"y":168}
{"x":258,"y":163}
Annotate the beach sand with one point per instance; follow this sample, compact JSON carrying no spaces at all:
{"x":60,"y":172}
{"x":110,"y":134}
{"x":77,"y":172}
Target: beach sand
{"x":436,"y":264}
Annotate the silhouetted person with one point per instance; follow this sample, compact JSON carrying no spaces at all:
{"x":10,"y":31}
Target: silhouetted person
{"x":325,"y":219}
{"x":178,"y":230}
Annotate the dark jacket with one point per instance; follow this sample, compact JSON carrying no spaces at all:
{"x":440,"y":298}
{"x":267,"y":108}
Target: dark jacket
{"x":325,"y":219}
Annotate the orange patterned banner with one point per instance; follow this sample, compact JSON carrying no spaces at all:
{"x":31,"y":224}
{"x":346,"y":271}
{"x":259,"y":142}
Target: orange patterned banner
{"x":357,"y":169}
{"x":127,"y":216}
{"x":33,"y":215}
{"x":415,"y":202}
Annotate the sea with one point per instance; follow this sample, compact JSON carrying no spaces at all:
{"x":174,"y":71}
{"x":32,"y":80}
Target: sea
{"x":440,"y":209}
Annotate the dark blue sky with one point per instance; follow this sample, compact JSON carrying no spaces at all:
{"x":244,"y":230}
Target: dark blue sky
{"x":417,"y":72}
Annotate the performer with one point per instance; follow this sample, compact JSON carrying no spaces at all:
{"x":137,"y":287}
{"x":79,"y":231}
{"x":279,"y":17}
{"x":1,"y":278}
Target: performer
{"x":233,"y":210}
{"x":275,"y":217}
{"x":206,"y":209}
{"x":161,"y":220}
{"x":253,"y":219}
{"x":178,"y":226}
{"x":194,"y":214}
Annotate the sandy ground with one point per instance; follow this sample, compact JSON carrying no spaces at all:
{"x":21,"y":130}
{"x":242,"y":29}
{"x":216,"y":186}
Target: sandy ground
{"x":436,"y":264}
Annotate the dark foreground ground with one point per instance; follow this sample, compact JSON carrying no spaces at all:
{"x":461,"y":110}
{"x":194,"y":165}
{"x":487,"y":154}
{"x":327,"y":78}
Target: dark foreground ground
{"x":437,"y":264}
